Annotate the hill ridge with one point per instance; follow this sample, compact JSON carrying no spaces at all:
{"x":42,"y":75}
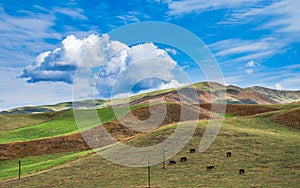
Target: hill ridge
{"x":205,"y":90}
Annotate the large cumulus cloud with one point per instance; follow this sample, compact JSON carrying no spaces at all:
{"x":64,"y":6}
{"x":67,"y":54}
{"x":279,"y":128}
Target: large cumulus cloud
{"x":60,"y":64}
{"x":105,"y":65}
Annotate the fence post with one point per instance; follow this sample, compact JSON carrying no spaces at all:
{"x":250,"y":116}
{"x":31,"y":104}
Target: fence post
{"x":149,"y":174}
{"x":164,"y":163}
{"x":19,"y":169}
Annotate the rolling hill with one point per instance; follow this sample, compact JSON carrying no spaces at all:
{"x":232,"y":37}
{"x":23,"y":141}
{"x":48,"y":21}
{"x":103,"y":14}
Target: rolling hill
{"x":266,"y":149}
{"x":259,"y":129}
{"x":205,"y":91}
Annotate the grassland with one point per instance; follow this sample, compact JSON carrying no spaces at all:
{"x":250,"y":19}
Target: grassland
{"x":61,"y":124}
{"x":9,"y":168}
{"x":14,"y":121}
{"x":268,"y":151}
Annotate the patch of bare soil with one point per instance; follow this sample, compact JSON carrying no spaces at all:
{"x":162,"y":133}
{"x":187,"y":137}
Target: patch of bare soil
{"x":238,"y":109}
{"x":163,"y":114}
{"x":291,"y":118}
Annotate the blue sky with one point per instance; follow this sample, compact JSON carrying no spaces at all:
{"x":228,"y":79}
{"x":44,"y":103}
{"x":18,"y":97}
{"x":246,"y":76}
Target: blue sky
{"x":255,"y":43}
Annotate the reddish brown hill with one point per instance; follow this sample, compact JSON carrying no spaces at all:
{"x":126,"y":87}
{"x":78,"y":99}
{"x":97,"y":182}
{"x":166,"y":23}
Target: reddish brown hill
{"x":291,"y":118}
{"x":212,"y":93}
{"x":238,"y":109}
{"x":247,"y":96}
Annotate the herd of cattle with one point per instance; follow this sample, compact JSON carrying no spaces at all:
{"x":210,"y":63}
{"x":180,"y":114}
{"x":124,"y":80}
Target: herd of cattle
{"x":208,"y":168}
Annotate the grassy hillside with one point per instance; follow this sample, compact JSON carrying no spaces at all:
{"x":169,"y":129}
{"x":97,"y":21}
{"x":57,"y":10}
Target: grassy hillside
{"x":268,"y":151}
{"x":62,"y":124}
{"x":9,"y":168}
{"x":14,"y":121}
{"x":50,"y":108}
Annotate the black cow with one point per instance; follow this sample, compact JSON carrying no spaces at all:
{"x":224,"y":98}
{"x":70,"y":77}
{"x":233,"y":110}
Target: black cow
{"x":209,"y":168}
{"x":183,"y":159}
{"x":242,"y":171}
{"x":172,"y":162}
{"x":192,"y":150}
{"x":228,"y":154}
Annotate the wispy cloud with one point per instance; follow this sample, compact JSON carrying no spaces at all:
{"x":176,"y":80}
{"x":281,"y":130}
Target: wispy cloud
{"x":130,"y":17}
{"x":23,"y":36}
{"x":286,"y":77}
{"x":282,"y":16}
{"x":178,"y":8}
{"x":76,"y":13}
{"x":237,"y":50}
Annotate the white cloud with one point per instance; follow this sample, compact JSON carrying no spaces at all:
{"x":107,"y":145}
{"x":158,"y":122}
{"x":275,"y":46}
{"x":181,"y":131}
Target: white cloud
{"x":73,"y":13}
{"x":171,"y":50}
{"x":283,"y":16}
{"x":41,"y":57}
{"x":107,"y":65}
{"x":61,"y":63}
{"x":250,"y":67}
{"x":238,"y":50}
{"x":249,"y":71}
{"x":132,"y":17}
{"x":278,"y":86}
{"x":250,"y":64}
{"x":143,"y":64}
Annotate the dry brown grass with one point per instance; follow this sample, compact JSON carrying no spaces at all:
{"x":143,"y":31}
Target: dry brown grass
{"x":239,"y":109}
{"x":291,"y":118}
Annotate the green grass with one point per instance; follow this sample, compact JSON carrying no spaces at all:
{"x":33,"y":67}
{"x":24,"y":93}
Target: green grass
{"x":283,"y":106}
{"x":13,"y":121}
{"x":226,"y":115}
{"x":9,"y":168}
{"x":269,"y":152}
{"x":62,"y":124}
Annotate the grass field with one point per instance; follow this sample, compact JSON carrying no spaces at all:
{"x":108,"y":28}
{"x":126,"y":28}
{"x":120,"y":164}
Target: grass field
{"x":62,"y":124}
{"x":14,"y":121}
{"x":9,"y":168}
{"x":269,"y":152}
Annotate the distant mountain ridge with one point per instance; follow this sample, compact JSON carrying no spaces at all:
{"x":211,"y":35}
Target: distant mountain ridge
{"x":281,"y":96}
{"x":205,"y":90}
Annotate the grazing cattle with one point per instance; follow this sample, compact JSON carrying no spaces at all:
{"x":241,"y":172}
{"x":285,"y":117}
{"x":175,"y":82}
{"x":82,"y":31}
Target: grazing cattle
{"x":242,"y":171}
{"x":183,"y":159}
{"x":192,"y":150}
{"x":172,"y":162}
{"x":228,"y":154}
{"x":209,"y":168}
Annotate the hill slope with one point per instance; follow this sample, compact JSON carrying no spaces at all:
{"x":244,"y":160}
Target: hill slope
{"x":281,"y":96}
{"x":204,"y":91}
{"x":258,"y":145}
